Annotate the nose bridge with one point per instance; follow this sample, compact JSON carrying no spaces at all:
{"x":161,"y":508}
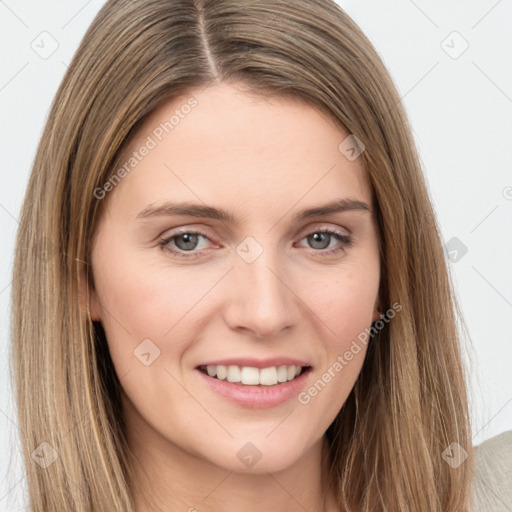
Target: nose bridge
{"x":262,"y":302}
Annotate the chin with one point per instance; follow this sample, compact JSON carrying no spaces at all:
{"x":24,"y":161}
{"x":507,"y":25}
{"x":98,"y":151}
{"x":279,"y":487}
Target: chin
{"x":257,"y":455}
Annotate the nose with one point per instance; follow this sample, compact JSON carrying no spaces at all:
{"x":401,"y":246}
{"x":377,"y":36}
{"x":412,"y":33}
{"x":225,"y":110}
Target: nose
{"x":261,"y":300}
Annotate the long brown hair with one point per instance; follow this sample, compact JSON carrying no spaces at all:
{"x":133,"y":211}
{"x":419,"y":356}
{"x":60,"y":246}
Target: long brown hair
{"x":409,"y":403}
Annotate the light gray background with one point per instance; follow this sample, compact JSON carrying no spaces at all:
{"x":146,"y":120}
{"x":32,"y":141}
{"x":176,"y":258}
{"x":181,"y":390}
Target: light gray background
{"x":460,"y":106}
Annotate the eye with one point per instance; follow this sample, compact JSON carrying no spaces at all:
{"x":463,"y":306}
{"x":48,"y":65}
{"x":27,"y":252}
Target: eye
{"x":321,"y":239}
{"x":187,"y":243}
{"x":184,"y":242}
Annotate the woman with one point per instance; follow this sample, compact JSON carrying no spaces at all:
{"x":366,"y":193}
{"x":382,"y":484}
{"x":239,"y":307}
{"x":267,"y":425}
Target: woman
{"x":196,"y":159}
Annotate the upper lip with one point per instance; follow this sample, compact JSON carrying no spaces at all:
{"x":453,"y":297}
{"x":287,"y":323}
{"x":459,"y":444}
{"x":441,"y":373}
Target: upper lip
{"x":257,"y":363}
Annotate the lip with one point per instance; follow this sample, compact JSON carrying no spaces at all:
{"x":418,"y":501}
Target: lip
{"x":256,"y":397}
{"x":257,"y":363}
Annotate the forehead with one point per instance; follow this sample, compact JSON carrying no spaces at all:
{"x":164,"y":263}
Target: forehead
{"x":220,"y":142}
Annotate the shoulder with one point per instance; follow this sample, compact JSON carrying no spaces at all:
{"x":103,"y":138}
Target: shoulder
{"x":493,"y":474}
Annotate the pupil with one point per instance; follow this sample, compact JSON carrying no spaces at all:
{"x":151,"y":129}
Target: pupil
{"x":317,"y":237}
{"x":190,"y":241}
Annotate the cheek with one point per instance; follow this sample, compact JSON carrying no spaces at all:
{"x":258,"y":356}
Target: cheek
{"x":344,"y":307}
{"x":346,"y":303}
{"x":138,"y":302}
{"x":148,"y":318}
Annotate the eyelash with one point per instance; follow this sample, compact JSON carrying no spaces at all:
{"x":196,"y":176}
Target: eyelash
{"x":164,"y":243}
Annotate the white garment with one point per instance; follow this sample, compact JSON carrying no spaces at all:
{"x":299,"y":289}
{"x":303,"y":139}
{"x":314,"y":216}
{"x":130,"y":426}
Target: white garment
{"x":493,"y":474}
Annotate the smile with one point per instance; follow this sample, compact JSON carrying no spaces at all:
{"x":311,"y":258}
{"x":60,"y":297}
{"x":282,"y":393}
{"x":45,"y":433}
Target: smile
{"x":251,"y":376}
{"x":254,"y":388}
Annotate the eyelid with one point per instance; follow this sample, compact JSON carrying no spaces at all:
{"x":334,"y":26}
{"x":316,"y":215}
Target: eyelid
{"x":319,"y":226}
{"x":190,"y":228}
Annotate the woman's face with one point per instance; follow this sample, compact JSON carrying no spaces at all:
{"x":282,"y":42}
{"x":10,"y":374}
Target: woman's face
{"x":251,"y":292}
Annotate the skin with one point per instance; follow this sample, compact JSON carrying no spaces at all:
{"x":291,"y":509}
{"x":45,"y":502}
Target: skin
{"x":263,"y":160}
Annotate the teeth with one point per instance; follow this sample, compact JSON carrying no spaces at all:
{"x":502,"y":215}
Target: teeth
{"x":254,"y":376}
{"x":234,"y":374}
{"x":282,"y":373}
{"x":268,"y":376}
{"x":250,"y":375}
{"x":222,"y":372}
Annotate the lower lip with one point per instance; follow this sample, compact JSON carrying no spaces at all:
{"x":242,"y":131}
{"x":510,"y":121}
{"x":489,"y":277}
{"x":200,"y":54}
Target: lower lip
{"x":257,"y":397}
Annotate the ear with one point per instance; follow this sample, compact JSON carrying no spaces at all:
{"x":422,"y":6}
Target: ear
{"x":87,"y":300}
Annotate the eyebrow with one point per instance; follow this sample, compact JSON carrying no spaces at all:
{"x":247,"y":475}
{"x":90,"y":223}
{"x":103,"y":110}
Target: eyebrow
{"x":204,"y":211}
